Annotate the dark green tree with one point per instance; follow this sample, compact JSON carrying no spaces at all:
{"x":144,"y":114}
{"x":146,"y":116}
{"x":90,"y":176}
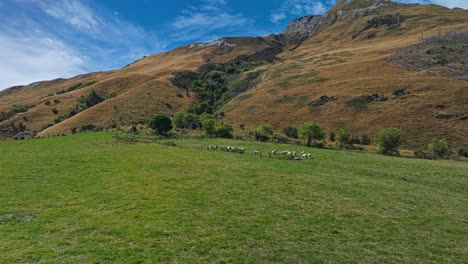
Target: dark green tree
{"x":161,"y":124}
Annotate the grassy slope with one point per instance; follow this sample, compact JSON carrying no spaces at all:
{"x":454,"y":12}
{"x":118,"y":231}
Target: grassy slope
{"x":99,"y":201}
{"x":142,"y":88}
{"x":333,"y":64}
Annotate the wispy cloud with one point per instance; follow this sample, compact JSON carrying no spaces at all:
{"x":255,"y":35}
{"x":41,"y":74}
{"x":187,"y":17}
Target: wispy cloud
{"x":72,"y":12}
{"x":300,"y":8}
{"x":49,"y":39}
{"x":26,"y":59}
{"x":195,"y":23}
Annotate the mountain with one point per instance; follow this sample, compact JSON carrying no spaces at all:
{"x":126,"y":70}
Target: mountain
{"x":364,"y":65}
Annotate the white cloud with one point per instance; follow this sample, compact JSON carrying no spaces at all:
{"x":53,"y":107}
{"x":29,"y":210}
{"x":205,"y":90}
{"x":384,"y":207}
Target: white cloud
{"x":49,"y":39}
{"x":300,"y":8}
{"x":73,"y":13}
{"x":196,"y":23}
{"x":29,"y":58}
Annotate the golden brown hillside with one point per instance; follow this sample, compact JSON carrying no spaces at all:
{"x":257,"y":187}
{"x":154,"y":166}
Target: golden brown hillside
{"x":343,"y":75}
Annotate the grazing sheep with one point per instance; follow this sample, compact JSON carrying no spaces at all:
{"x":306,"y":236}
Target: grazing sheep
{"x":274,"y":152}
{"x":256,"y":153}
{"x":309,"y":155}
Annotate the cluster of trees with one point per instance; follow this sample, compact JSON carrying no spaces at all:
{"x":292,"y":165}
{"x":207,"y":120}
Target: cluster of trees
{"x":388,"y":140}
{"x":211,"y":91}
{"x":85,"y":101}
{"x":163,"y":124}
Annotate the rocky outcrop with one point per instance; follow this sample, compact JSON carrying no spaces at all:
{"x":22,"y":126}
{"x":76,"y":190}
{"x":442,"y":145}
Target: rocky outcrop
{"x":303,"y":28}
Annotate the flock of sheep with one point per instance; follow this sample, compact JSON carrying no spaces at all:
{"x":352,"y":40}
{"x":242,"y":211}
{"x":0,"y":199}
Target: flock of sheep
{"x":292,"y":154}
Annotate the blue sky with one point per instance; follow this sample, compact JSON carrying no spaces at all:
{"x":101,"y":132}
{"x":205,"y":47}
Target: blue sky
{"x":46,"y":39}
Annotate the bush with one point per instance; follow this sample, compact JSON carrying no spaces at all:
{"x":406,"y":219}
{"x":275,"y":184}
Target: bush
{"x":422,"y":155}
{"x":61,"y":117}
{"x":47,"y":102}
{"x":263,"y":132}
{"x":311,"y":131}
{"x":332,"y":136}
{"x":463,"y":153}
{"x":343,"y":137}
{"x":223,"y":130}
{"x":440,"y":148}
{"x":209,"y":126}
{"x":388,"y":141}
{"x":365,"y":139}
{"x":186,"y":120}
{"x":87,"y":127}
{"x":18,"y":109}
{"x":215,"y":128}
{"x":73,"y":130}
{"x":161,"y":124}
{"x":291,"y":132}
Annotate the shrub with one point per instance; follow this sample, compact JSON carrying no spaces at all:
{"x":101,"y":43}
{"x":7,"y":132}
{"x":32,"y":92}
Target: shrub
{"x":223,"y":130}
{"x":186,"y":120}
{"x":56,"y":101}
{"x":209,"y":126}
{"x":278,"y":138}
{"x":311,"y":131}
{"x":61,"y":117}
{"x":463,"y":153}
{"x":54,"y":111}
{"x":440,"y":148}
{"x":263,"y":132}
{"x":332,"y":136}
{"x":73,"y":130}
{"x":60,"y":92}
{"x":47,"y":102}
{"x":422,"y":155}
{"x":388,"y":141}
{"x":214,"y":128}
{"x":343,"y":137}
{"x":365,"y":139}
{"x":87,"y":127}
{"x":291,"y":132}
{"x":90,"y":99}
{"x":161,"y":124}
{"x":18,"y":109}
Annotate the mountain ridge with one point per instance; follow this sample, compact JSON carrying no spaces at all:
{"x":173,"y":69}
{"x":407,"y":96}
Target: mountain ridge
{"x":314,"y":57}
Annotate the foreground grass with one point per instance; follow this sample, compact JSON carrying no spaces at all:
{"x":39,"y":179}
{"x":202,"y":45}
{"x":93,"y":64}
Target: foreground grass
{"x":86,"y":198}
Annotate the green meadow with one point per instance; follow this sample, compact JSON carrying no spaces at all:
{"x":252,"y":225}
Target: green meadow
{"x":88,"y":198}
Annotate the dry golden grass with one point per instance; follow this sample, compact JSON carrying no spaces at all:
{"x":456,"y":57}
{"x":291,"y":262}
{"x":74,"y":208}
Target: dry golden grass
{"x":331,"y":63}
{"x":355,"y":67}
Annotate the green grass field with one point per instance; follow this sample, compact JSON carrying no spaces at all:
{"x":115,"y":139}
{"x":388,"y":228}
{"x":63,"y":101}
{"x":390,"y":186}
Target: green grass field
{"x":89,"y":199}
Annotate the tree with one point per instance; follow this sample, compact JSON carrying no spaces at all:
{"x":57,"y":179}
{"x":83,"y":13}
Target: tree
{"x":263,"y":132}
{"x":440,"y":148}
{"x":209,"y":126}
{"x":186,"y":120}
{"x":311,"y":131}
{"x":161,"y":124}
{"x":389,"y":140}
{"x":223,"y":130}
{"x":343,"y":137}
